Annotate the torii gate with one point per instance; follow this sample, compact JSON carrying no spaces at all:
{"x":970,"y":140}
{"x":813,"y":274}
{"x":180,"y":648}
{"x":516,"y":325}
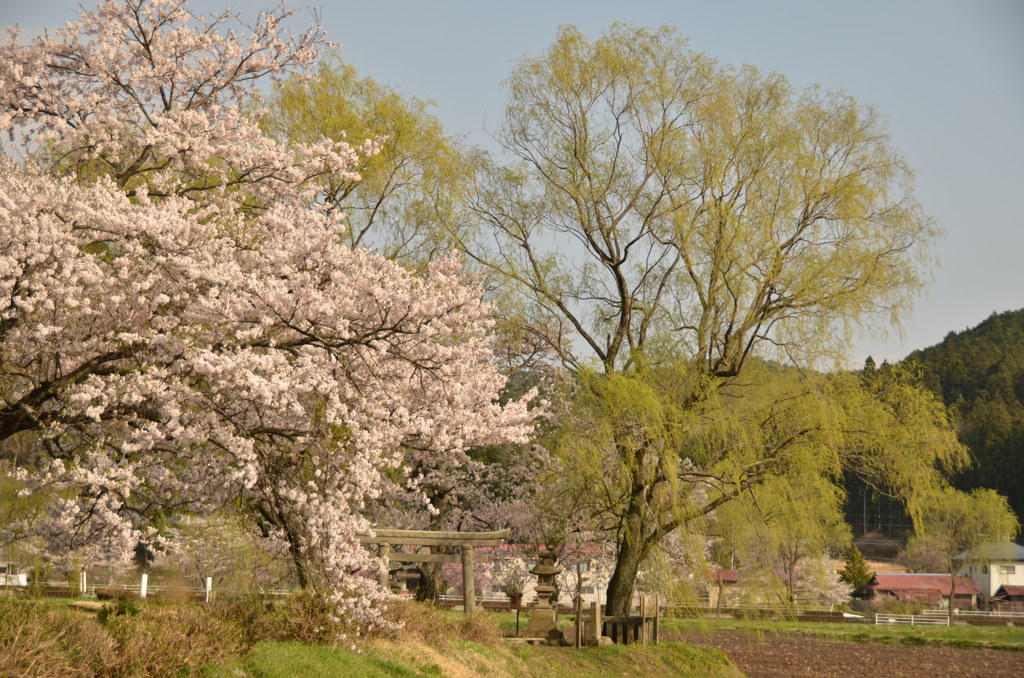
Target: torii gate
{"x":466,"y":541}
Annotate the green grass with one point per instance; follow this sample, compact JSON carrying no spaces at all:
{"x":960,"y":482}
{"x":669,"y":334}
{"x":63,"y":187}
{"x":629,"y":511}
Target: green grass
{"x":387,"y":660}
{"x":667,"y":659}
{"x":958,"y":636}
{"x":293,"y":659}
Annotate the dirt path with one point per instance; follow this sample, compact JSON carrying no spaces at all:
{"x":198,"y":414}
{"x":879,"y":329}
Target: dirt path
{"x":773,"y":655}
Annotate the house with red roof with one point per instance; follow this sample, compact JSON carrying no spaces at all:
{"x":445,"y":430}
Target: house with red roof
{"x":721,"y":589}
{"x":915,"y":587}
{"x":1010,"y":593}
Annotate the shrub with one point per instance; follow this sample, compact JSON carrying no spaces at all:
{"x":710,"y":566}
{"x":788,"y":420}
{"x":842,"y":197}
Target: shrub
{"x":435,"y":626}
{"x":307,"y":617}
{"x":169,"y":638}
{"x":890,"y":605}
{"x":251,"y":615}
{"x":303,"y":616}
{"x":41,"y":641}
{"x":121,"y":607}
{"x":116,"y":594}
{"x":172,"y":639}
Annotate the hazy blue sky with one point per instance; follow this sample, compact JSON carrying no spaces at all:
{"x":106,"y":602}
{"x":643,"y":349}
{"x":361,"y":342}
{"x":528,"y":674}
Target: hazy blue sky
{"x":948,"y":75}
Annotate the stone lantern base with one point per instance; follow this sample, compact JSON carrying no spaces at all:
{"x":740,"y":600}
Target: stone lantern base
{"x":541,"y":622}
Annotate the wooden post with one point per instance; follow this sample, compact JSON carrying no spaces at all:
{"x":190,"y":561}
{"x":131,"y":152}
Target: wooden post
{"x":467,"y":578}
{"x":595,"y":615}
{"x":579,"y":604}
{"x":657,"y":614}
{"x":383,"y":551}
{"x":643,"y":619}
{"x":143,"y":585}
{"x":209,"y":589}
{"x":579,"y":622}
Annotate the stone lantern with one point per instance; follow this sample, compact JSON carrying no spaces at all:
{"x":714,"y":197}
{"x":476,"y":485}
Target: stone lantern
{"x":543,"y":620}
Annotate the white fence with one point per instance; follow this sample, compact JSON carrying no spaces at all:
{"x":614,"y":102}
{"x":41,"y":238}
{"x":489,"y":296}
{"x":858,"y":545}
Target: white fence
{"x":912,"y":619}
{"x":144,"y":589}
{"x":703,"y":608}
{"x":765,"y":607}
{"x":981,"y":614}
{"x":486,"y":598}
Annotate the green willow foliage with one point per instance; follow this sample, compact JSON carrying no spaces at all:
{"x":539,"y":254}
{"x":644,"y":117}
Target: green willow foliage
{"x":410,"y":195}
{"x":755,"y":460}
{"x":667,"y":222}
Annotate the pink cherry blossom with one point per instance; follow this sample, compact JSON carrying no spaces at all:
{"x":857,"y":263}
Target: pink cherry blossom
{"x":182,"y":328}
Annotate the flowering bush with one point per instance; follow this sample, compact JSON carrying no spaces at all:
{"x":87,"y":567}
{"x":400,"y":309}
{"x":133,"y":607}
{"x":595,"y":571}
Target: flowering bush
{"x":452,"y":573}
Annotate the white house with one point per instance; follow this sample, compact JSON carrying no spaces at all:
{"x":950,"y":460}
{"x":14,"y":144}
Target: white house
{"x":994,"y":565}
{"x":9,"y":575}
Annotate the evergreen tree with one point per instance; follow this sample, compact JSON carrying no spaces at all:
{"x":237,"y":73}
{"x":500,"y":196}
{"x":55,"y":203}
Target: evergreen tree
{"x":979,"y":373}
{"x":855,"y":572}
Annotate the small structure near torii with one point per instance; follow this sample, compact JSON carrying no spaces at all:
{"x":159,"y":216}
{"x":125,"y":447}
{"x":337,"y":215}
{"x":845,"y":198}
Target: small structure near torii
{"x":543,"y":622}
{"x":465,"y":541}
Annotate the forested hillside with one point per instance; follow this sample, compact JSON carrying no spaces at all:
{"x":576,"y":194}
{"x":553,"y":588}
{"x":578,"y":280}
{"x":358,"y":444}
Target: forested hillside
{"x":980,"y":373}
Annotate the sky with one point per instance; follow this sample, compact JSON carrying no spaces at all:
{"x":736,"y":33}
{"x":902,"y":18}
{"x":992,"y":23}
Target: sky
{"x":947,"y":74}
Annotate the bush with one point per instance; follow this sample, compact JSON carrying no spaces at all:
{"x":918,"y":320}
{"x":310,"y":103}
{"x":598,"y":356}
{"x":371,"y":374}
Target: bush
{"x":149,"y":639}
{"x":302,"y":616}
{"x":307,"y":617}
{"x":251,"y":615}
{"x":116,"y":594}
{"x":435,"y":626}
{"x":40,"y":641}
{"x":172,"y":639}
{"x":122,"y":607}
{"x":889,"y":605}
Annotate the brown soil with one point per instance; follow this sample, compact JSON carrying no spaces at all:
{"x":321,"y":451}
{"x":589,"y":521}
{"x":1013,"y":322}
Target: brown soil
{"x":776,"y":655}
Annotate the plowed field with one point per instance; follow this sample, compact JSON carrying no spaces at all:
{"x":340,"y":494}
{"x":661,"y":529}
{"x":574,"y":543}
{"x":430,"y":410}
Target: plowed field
{"x":776,"y":655}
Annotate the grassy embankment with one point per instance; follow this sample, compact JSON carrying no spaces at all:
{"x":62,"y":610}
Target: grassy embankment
{"x":46,"y":639}
{"x":446,"y":643}
{"x":457,"y":659}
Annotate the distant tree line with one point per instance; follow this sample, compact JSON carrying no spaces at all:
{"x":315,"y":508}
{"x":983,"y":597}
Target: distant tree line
{"x":979,"y":373}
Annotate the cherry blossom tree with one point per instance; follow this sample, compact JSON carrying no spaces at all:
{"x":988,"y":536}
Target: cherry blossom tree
{"x":183,"y":331}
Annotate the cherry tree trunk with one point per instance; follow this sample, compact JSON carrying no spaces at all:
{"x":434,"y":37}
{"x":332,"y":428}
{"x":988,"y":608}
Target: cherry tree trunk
{"x":430,"y":582}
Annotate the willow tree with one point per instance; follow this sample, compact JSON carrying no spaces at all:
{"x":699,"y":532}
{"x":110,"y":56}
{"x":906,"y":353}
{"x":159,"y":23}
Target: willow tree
{"x":658,"y":206}
{"x":406,"y":197}
{"x":956,"y":525}
{"x":785,"y":527}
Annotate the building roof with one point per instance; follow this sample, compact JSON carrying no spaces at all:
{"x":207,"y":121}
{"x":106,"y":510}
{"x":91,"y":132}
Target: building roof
{"x":1005,"y":551}
{"x":727,"y":576}
{"x":907,"y":585}
{"x":1010,"y":590}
